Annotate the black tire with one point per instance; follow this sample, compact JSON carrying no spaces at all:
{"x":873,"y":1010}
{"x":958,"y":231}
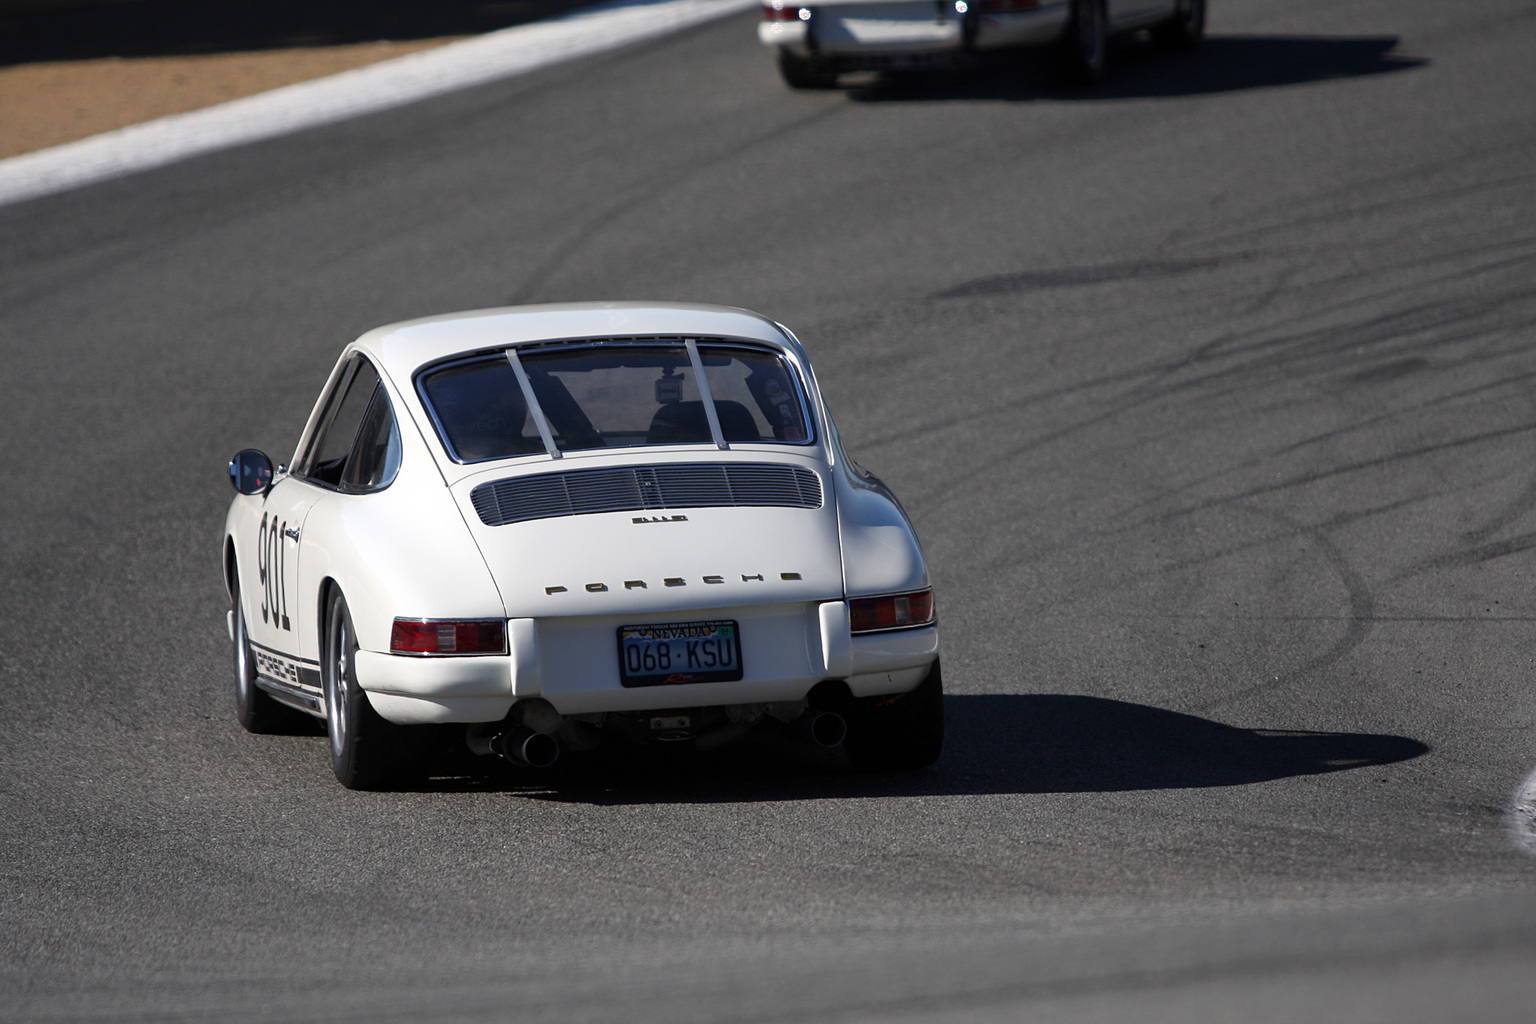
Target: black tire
{"x":1085,"y":47}
{"x":806,"y":72}
{"x":256,"y":709}
{"x":901,"y":733}
{"x":366,"y":751}
{"x":1185,"y":29}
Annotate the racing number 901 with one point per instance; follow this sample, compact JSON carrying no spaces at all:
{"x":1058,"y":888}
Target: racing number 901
{"x":270,"y":558}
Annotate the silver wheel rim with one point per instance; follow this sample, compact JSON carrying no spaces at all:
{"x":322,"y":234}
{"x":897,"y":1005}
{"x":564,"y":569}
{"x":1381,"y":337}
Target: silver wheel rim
{"x":243,"y":674}
{"x":336,"y":682}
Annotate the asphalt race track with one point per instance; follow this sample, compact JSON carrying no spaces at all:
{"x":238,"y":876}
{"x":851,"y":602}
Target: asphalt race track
{"x":1212,"y":392}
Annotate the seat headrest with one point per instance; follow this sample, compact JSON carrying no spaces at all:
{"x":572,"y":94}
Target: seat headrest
{"x":685,"y":423}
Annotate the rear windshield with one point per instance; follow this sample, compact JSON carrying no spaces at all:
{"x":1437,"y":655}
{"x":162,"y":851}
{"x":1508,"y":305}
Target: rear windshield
{"x":613,"y":395}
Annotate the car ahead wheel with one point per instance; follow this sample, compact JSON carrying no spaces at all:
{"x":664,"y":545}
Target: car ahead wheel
{"x":806,"y":72}
{"x":1085,"y":45}
{"x":1185,"y":29}
{"x":366,"y":751}
{"x":255,"y":708}
{"x":898,"y":733}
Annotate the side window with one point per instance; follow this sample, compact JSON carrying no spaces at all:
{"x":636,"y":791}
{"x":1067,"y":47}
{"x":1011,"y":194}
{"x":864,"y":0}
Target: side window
{"x":338,"y":430}
{"x":376,"y":458}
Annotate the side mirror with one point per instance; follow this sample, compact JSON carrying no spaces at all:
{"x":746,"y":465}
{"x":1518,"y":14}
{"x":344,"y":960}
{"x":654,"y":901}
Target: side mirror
{"x":250,"y":472}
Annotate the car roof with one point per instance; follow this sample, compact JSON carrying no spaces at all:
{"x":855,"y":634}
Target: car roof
{"x":402,"y":348}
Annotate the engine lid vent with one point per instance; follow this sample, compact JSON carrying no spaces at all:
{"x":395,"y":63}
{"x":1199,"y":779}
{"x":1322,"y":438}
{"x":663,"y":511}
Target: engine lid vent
{"x":645,"y":488}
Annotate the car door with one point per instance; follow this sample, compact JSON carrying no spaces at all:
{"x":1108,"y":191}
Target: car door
{"x":272,"y":623}
{"x":286,"y":619}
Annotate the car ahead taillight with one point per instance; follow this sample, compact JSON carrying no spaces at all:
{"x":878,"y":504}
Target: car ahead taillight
{"x":427,"y":636}
{"x":778,"y":10}
{"x":899,"y":611}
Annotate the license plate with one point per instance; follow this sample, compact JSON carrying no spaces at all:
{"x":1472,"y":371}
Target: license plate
{"x":670,"y":653}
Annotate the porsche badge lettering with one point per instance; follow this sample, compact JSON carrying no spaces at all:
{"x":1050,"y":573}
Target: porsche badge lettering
{"x":659,"y":519}
{"x":673,"y":581}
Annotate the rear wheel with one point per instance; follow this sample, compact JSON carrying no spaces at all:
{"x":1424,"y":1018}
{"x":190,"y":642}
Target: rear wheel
{"x":255,"y":708}
{"x":367,"y":752}
{"x":898,"y":733}
{"x":1185,"y":29}
{"x":806,"y":72}
{"x":1085,"y":46}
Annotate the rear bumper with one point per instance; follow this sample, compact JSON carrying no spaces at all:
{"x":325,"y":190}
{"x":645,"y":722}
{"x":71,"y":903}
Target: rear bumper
{"x":872,"y":33}
{"x":1021,"y":28}
{"x":573,"y":663}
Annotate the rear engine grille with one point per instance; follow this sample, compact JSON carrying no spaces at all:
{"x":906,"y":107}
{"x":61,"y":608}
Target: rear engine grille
{"x":644,"y":488}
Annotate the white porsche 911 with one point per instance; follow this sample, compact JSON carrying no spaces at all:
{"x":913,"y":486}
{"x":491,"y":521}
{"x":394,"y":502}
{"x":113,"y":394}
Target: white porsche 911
{"x":815,"y":42}
{"x":553,"y":526}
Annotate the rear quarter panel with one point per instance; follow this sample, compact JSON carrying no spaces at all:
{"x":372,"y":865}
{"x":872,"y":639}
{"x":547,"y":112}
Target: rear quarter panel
{"x":402,"y":551}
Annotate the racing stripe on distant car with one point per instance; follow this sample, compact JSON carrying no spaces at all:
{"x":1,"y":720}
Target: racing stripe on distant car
{"x":394,"y":83}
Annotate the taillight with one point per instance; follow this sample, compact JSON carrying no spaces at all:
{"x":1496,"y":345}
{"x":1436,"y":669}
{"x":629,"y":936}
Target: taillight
{"x":778,"y":10}
{"x":428,"y":636}
{"x":871,"y":614}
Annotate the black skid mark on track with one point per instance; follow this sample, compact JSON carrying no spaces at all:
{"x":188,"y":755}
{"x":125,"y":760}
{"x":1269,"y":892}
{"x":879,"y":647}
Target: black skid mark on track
{"x":1521,"y":503}
{"x":1064,"y":277}
{"x":1481,"y":547}
{"x":1359,"y":617}
{"x":1472,"y":556}
{"x":585,"y":235}
{"x":1389,"y":371}
{"x":1240,"y":360}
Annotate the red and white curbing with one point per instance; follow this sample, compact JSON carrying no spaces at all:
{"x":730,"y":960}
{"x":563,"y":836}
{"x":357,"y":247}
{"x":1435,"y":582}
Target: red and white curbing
{"x":393,"y":83}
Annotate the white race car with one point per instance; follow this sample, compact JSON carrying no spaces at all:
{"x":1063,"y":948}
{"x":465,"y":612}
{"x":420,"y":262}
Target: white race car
{"x":816,"y":42}
{"x":547,"y":526}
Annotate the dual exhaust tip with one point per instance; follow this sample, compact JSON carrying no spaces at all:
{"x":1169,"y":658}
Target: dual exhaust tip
{"x":521,"y":745}
{"x":518,"y":744}
{"x":821,"y":728}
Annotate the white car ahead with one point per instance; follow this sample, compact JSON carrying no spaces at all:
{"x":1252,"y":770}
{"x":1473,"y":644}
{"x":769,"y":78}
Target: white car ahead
{"x":816,"y":42}
{"x":554,"y":526}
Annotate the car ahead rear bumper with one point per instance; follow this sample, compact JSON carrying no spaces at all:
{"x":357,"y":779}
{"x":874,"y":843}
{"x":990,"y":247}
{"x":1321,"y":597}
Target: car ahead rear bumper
{"x":574,"y":664}
{"x":865,"y":33}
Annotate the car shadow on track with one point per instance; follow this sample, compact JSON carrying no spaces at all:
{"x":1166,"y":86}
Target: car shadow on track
{"x":1037,"y":743}
{"x":1137,"y":70}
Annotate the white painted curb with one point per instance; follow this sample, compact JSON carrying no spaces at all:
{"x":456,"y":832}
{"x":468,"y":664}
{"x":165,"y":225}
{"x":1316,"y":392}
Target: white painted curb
{"x":365,"y":90}
{"x":1522,"y":816}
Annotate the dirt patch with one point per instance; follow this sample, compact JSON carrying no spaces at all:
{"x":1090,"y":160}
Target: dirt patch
{"x":72,"y":68}
{"x":45,"y":104}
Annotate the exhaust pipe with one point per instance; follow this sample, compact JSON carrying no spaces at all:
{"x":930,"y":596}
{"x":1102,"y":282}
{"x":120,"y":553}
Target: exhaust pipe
{"x":518,"y":743}
{"x":521,"y":745}
{"x":823,"y":728}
